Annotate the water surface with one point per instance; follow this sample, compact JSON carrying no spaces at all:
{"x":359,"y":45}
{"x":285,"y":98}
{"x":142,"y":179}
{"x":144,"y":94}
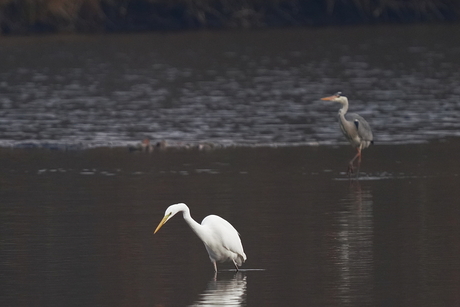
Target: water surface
{"x":229,"y":87}
{"x":77,"y":226}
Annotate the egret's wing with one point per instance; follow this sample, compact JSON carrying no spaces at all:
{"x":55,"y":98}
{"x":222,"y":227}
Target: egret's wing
{"x":363,"y":127}
{"x":225,"y":233}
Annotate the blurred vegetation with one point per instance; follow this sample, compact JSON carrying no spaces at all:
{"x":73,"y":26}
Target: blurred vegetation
{"x":28,"y":16}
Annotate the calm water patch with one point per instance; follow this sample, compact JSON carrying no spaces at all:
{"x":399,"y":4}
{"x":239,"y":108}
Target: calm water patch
{"x":87,"y":239}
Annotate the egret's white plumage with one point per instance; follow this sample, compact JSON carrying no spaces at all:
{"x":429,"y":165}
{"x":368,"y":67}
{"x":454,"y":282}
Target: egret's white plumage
{"x":220,"y":238}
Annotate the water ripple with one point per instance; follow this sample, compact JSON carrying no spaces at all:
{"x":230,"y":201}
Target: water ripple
{"x":249,"y":89}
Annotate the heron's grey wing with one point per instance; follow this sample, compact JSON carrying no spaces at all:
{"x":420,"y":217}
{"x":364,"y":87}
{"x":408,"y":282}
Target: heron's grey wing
{"x":364,"y":130}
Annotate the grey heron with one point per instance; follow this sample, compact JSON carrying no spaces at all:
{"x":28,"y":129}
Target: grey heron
{"x":354,"y":127}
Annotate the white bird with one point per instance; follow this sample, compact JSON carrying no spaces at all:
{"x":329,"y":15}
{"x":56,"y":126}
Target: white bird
{"x":220,"y":238}
{"x":354,"y":127}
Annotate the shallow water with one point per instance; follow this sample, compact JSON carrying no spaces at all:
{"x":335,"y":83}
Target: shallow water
{"x":77,"y":226}
{"x":229,"y":87}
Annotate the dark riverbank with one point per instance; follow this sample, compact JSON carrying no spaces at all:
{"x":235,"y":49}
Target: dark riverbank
{"x":51,"y":16}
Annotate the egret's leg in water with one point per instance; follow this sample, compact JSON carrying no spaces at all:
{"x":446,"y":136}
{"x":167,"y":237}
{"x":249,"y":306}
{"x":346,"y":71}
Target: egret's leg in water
{"x":236,"y":266}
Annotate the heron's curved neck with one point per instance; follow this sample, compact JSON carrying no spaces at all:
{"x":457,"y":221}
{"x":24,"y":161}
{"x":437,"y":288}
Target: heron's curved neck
{"x":344,"y":108}
{"x":196,"y":227}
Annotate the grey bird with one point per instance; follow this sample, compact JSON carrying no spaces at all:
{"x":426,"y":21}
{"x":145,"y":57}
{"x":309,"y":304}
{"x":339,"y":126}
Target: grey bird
{"x":354,"y":127}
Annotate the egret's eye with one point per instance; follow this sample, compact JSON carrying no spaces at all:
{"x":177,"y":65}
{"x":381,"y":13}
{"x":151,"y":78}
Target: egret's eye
{"x":338,"y":94}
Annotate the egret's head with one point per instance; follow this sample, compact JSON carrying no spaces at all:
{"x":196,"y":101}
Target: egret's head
{"x":337,"y":98}
{"x":169,"y":213}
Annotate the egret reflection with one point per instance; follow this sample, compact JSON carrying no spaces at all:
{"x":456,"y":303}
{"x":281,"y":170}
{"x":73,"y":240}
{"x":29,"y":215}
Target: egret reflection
{"x":224,"y":290}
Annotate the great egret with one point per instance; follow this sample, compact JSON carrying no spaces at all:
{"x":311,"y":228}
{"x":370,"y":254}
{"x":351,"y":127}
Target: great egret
{"x":220,"y":238}
{"x":355,"y":128}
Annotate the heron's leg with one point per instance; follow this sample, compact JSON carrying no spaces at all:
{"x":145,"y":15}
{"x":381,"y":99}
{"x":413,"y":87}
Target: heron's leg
{"x":359,"y":162}
{"x":358,"y":155}
{"x":215,"y":266}
{"x":350,"y":165}
{"x":357,"y":169}
{"x":350,"y":169}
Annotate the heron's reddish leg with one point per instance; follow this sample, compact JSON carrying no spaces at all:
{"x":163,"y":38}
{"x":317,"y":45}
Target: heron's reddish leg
{"x":358,"y":155}
{"x":350,"y":165}
{"x":350,"y":169}
{"x":359,"y":162}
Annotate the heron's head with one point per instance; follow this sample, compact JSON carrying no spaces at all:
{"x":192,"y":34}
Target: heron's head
{"x":170,"y":212}
{"x":337,"y":98}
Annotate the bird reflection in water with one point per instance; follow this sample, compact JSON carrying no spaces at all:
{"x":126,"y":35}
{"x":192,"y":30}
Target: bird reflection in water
{"x":355,"y":245}
{"x":224,"y":290}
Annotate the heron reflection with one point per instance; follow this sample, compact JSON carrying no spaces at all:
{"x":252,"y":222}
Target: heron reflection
{"x":224,"y":290}
{"x":355,"y":244}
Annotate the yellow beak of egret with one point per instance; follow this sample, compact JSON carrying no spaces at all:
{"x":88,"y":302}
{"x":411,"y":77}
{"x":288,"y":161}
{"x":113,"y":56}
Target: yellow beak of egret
{"x":163,"y":221}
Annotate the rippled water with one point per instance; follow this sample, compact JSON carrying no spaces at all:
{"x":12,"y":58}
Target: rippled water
{"x":242,"y":87}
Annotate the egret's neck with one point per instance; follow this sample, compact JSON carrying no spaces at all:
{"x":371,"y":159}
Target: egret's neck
{"x":196,"y":227}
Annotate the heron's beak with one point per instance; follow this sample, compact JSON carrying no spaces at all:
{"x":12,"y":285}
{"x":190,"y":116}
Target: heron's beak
{"x":163,"y":221}
{"x":328,"y":98}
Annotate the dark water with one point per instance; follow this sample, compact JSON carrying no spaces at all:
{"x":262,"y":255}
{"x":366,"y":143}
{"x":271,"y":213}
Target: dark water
{"x":76,"y":226}
{"x":254,"y":87}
